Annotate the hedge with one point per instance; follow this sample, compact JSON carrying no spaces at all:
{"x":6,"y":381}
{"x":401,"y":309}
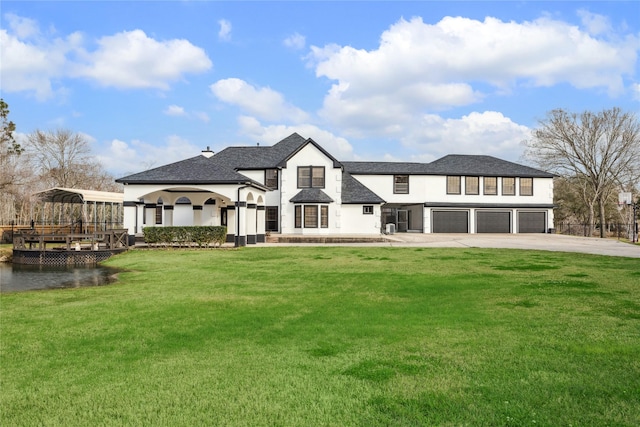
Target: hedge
{"x":201,"y":235}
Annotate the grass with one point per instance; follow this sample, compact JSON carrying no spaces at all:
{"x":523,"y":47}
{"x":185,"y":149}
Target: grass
{"x":345,"y":336}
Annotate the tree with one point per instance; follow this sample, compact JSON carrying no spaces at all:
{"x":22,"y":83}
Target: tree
{"x":601,"y":150}
{"x":63,"y":159}
{"x":9,"y":148}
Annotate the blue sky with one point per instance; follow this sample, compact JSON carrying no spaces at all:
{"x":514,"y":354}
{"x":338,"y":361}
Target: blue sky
{"x":152,"y":82}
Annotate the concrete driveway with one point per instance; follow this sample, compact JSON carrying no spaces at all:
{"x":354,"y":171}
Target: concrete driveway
{"x":547,"y":242}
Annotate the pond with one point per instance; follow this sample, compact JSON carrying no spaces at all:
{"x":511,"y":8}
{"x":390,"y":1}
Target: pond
{"x":15,"y":277}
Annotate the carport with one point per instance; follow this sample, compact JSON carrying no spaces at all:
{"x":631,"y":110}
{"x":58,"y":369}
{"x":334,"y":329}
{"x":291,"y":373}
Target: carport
{"x":99,"y":209}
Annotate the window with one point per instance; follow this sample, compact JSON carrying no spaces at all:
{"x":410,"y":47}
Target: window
{"x":158,"y":214}
{"x":508,"y":186}
{"x":526,"y":186}
{"x":271,"y":178}
{"x":298,"y":217}
{"x":490,"y":185}
{"x":367,"y":210}
{"x":310,"y":216}
{"x":453,"y":185}
{"x":471,"y":185}
{"x":311,"y":177}
{"x":271,"y":215}
{"x":401,"y":184}
{"x":324,"y":216}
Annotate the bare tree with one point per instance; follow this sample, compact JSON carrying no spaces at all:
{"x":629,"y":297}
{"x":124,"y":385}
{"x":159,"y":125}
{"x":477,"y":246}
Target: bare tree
{"x":64,"y":159}
{"x":10,"y":150}
{"x":600,"y":149}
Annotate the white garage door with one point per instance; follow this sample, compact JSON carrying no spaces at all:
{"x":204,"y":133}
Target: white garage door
{"x":450,"y":221}
{"x":493,"y":222}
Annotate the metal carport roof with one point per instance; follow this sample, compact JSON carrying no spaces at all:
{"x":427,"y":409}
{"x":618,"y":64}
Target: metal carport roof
{"x":72,"y":195}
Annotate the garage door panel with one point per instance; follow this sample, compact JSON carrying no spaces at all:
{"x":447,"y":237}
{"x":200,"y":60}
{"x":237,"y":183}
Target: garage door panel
{"x":532,"y":222}
{"x":493,"y":222}
{"x":450,"y":222}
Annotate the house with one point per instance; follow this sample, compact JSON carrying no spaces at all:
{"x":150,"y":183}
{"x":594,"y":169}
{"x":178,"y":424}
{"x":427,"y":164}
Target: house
{"x":296,"y":187}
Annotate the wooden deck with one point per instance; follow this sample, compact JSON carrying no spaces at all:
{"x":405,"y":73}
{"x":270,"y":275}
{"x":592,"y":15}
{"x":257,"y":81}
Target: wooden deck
{"x":55,"y":249}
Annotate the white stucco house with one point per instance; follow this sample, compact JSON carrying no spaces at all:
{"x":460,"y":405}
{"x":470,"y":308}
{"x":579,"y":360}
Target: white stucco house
{"x":296,"y":187}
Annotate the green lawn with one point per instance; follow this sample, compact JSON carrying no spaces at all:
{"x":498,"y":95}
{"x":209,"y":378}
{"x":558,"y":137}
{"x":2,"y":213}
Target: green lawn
{"x":348,"y":336}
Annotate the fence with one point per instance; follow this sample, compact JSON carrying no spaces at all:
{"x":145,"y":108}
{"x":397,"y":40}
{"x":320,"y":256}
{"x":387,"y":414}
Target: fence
{"x":618,"y":230}
{"x":37,"y":227}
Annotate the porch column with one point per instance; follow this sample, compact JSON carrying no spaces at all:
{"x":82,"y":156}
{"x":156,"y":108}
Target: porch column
{"x":260,"y":224}
{"x":150,"y":215}
{"x":251,"y":223}
{"x":167,"y":221}
{"x":129,"y":216}
{"x":197,"y":214}
{"x":241,"y":224}
{"x":139,"y":216}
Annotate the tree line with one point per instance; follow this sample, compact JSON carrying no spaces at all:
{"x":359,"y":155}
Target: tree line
{"x":45,"y":159}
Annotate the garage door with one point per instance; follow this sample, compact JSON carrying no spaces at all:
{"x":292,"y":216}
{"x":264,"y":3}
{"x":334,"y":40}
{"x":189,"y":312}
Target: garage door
{"x":450,"y":222}
{"x":532,"y":222}
{"x":493,"y":222}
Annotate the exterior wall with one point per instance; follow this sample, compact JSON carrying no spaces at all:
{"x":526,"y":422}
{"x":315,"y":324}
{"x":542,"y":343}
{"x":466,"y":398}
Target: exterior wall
{"x":383,"y":185}
{"x":310,"y":156}
{"x":354,"y":221}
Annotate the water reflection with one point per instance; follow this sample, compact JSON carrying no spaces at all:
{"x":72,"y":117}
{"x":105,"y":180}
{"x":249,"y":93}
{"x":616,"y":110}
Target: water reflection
{"x":15,"y":277}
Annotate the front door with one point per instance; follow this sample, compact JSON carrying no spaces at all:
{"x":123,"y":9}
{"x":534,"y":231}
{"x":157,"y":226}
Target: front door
{"x":223,"y":216}
{"x":402,"y":222}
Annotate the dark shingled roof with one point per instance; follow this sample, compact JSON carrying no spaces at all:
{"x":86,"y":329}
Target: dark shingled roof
{"x":454,"y":164}
{"x":385,"y":168}
{"x":354,"y":192}
{"x":311,"y":195}
{"x":196,"y":170}
{"x":458,"y":164}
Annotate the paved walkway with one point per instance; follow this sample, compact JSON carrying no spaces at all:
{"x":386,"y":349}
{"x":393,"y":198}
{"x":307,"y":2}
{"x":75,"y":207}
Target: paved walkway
{"x":548,"y":242}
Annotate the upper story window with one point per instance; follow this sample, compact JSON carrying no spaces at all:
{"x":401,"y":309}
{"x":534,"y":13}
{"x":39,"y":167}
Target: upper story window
{"x":271,"y":178}
{"x":367,"y":210}
{"x":471,"y":185}
{"x":508,"y":186}
{"x":490,"y":185}
{"x":401,"y":184}
{"x":526,"y":186}
{"x":453,"y":185}
{"x":310,"y":176}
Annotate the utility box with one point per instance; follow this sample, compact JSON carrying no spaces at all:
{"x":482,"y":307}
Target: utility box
{"x":391,"y":228}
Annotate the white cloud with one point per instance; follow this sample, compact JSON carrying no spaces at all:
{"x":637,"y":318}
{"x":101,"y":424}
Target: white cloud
{"x":270,"y":134}
{"x":421,"y":68}
{"x":489,"y":132}
{"x":174,"y":110}
{"x":295,"y":41}
{"x":264,"y":102}
{"x":202,"y":116}
{"x":225,"y":30}
{"x":30,"y":62}
{"x":21,"y":27}
{"x":594,"y":23}
{"x":30,"y":66}
{"x":122,"y":158}
{"x":131,"y":59}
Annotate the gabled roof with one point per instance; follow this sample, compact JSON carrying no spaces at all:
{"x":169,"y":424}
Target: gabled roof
{"x":311,"y":195}
{"x":458,"y":164}
{"x":283,"y":162}
{"x":354,"y":192}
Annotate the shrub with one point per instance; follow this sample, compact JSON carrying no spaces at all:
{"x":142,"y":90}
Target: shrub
{"x":202,"y":236}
